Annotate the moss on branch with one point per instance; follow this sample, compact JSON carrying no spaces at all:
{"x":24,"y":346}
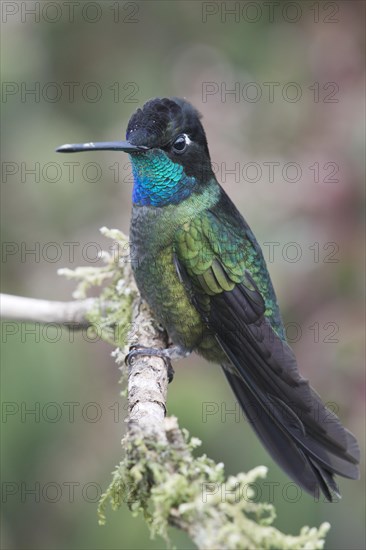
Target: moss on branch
{"x":170,"y":486}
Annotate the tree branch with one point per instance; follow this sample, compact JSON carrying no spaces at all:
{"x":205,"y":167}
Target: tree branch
{"x":147,"y":379}
{"x":18,"y":308}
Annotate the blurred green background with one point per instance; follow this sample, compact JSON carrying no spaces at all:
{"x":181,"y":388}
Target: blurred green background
{"x":90,"y":65}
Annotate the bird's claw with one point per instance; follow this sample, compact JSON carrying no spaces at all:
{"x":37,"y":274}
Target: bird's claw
{"x":154,"y":352}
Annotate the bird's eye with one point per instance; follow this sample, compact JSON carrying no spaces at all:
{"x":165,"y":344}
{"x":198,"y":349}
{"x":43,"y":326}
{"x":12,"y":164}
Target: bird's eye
{"x":180,"y":144}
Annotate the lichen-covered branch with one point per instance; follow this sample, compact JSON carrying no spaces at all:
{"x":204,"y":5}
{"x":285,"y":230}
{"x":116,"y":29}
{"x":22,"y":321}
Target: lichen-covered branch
{"x":147,"y":379}
{"x":160,"y":476}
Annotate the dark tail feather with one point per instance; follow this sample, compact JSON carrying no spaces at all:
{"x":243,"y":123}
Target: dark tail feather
{"x":298,"y":452}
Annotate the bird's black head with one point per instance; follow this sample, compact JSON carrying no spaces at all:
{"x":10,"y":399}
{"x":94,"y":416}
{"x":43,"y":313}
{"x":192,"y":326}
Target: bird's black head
{"x":174,"y":126}
{"x":168,"y":149}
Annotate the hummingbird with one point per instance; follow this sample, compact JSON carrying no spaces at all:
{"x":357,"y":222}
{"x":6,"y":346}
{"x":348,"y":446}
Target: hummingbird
{"x":201,"y":270}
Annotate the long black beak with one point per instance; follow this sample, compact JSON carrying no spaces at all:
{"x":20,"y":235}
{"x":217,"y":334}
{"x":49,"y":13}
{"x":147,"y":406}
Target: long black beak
{"x":101,"y":146}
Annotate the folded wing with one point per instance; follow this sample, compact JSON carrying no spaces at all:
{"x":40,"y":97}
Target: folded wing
{"x":305,"y":438}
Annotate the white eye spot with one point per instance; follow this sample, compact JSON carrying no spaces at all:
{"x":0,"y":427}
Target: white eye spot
{"x":187,"y":140}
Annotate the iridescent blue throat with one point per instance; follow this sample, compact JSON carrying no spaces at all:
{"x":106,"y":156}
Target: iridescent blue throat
{"x":158,"y":181}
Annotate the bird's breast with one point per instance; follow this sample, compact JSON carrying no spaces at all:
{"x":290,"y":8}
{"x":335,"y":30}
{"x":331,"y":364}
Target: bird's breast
{"x":152,"y":257}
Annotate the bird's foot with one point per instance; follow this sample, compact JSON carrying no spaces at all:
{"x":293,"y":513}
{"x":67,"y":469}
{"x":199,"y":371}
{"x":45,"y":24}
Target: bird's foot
{"x":168,"y":354}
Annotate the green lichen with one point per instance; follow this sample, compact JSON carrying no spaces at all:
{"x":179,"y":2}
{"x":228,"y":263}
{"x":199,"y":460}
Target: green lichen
{"x":171,"y":487}
{"x":111,"y":316}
